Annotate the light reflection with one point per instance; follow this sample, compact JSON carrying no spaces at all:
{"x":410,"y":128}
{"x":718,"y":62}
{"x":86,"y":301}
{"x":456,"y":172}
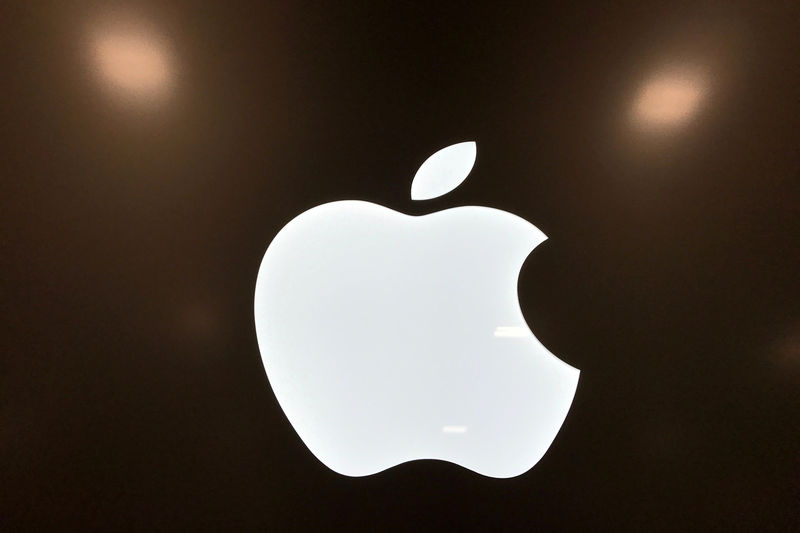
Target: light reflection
{"x":511,"y":331}
{"x":132,"y":61}
{"x":199,"y":321}
{"x":454,"y":429}
{"x":669,"y":98}
{"x":786,"y":353}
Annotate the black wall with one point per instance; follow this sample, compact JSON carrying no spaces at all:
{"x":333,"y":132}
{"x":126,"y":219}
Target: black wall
{"x":132,"y":394}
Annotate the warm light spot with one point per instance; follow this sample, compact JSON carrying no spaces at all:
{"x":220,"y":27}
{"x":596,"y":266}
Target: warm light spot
{"x":132,"y":62}
{"x":669,"y":99}
{"x":199,"y":321}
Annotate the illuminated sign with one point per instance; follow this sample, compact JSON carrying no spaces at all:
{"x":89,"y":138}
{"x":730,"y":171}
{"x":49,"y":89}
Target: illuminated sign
{"x":389,"y":338}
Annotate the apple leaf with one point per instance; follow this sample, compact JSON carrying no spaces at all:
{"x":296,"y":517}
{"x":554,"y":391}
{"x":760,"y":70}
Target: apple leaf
{"x":443,"y":171}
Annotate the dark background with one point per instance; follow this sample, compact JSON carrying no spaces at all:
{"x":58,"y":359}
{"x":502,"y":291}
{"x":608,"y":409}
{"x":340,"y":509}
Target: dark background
{"x":132,"y":394}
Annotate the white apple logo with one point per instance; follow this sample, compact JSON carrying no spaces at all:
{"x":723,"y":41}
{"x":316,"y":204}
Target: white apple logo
{"x":389,"y":338}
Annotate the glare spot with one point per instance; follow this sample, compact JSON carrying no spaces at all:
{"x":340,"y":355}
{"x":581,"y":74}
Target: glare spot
{"x":669,"y":98}
{"x":454,"y":429}
{"x":198,"y":321}
{"x":132,"y":62}
{"x":511,"y":331}
{"x":786,"y":353}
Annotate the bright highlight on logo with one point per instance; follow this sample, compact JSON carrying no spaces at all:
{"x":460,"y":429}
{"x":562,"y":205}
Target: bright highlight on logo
{"x":511,"y":331}
{"x":389,"y":338}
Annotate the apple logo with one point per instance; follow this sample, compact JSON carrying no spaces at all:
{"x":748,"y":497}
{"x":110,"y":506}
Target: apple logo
{"x":390,"y":338}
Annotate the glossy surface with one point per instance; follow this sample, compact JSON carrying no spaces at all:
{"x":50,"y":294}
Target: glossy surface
{"x":132,"y":393}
